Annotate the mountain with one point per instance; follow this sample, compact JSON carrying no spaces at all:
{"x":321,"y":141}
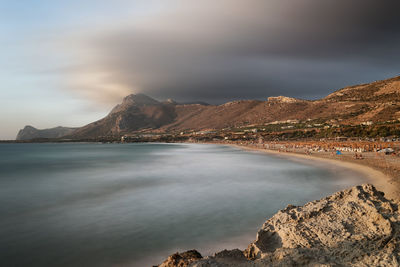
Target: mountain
{"x":136,"y":112}
{"x":376,"y":102}
{"x":30,"y":132}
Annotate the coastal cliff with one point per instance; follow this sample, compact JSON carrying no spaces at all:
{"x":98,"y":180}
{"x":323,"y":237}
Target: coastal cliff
{"x":354,"y":227}
{"x":29,"y":132}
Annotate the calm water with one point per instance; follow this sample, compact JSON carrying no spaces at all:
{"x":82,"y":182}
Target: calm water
{"x":134,"y":204}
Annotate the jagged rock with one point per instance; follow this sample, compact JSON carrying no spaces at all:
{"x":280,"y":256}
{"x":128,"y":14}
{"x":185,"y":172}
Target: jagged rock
{"x":351,"y":227}
{"x":137,"y":100}
{"x":136,"y":112}
{"x":182,"y":259}
{"x":354,"y":227}
{"x":284,"y":99}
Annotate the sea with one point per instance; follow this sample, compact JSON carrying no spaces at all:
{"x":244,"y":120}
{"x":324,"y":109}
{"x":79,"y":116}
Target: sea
{"x":89,"y":204}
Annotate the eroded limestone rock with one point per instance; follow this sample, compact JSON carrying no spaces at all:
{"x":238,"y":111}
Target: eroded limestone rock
{"x":182,"y":259}
{"x":354,"y":227}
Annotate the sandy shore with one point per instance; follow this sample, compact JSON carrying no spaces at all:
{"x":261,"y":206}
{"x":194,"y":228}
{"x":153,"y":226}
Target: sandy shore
{"x":328,"y":232}
{"x":382,"y":175}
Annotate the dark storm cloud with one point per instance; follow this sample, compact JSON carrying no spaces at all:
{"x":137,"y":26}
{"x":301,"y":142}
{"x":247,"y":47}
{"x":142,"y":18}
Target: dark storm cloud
{"x":221,"y":50}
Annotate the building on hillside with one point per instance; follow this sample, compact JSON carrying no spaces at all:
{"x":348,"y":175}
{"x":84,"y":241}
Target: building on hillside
{"x":367,"y":123}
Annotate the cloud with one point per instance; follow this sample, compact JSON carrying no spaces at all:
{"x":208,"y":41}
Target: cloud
{"x":221,"y":50}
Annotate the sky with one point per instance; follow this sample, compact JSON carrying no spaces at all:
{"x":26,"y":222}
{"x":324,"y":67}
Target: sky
{"x":69,"y":62}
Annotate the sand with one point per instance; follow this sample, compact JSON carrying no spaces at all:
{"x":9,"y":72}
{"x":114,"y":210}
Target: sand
{"x":373,"y":175}
{"x":355,"y":227}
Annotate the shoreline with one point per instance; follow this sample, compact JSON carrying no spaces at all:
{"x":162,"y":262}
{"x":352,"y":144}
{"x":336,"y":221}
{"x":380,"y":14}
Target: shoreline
{"x":359,"y":223}
{"x":382,"y":181}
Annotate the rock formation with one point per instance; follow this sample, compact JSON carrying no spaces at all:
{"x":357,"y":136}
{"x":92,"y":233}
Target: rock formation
{"x":182,"y":259}
{"x":354,"y":227}
{"x":29,"y":133}
{"x":136,"y":112}
{"x":284,"y":99}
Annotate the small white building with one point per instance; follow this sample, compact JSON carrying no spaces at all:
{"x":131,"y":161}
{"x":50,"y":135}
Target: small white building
{"x":367,"y":123}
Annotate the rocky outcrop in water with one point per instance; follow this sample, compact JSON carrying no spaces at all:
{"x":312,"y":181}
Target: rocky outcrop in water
{"x":354,"y":227}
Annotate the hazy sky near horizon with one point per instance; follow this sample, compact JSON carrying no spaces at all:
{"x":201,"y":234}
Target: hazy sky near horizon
{"x":68,"y":62}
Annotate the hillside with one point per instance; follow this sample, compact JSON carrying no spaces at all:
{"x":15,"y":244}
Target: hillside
{"x":134,"y":113}
{"x":377,"y":102}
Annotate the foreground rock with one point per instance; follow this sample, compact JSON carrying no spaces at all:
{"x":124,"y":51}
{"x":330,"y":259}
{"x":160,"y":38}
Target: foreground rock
{"x":182,"y":259}
{"x":355,"y":227}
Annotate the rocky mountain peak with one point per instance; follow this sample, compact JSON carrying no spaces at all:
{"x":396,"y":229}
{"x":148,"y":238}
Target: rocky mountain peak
{"x":30,"y":132}
{"x":283,"y":99}
{"x":26,"y":132}
{"x":29,"y":127}
{"x":138,"y":100}
{"x":170,"y":101}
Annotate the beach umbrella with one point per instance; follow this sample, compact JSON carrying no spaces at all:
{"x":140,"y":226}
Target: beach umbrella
{"x":386,"y":150}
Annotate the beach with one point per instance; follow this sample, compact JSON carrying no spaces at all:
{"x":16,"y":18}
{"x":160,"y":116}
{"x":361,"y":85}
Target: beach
{"x":383,"y":171}
{"x":88,"y":204}
{"x":359,"y":225}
